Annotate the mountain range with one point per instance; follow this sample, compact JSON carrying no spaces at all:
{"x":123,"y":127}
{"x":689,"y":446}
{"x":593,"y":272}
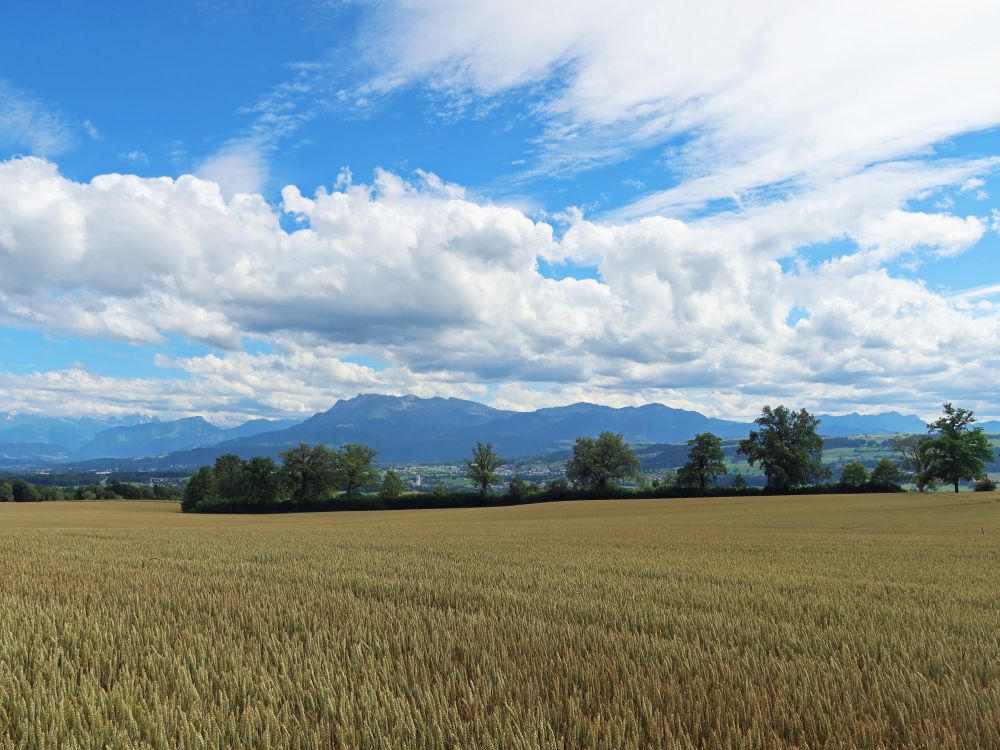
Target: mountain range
{"x":404,"y":429}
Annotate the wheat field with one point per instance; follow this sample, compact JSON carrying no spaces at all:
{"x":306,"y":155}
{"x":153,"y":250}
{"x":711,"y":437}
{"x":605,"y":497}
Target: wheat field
{"x":807,"y":622}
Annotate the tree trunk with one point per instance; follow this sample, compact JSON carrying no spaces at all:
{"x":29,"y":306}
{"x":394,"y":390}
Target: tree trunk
{"x":956,"y":485}
{"x":703,"y":483}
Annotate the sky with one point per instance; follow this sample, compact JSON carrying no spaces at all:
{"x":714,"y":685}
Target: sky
{"x":242,"y":209}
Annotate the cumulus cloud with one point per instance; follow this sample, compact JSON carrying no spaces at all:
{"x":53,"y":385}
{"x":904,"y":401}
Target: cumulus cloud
{"x":447,"y":293}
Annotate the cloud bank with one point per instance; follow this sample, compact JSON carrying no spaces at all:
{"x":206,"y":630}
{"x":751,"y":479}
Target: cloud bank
{"x":444,"y":292}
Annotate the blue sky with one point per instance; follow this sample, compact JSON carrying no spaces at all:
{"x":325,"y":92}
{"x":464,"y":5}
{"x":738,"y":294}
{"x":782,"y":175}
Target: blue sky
{"x":523,"y":204}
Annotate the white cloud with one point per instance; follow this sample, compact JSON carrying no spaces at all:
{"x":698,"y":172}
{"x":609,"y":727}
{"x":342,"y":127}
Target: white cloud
{"x":445,"y":290}
{"x":30,"y":124}
{"x":761,"y":93}
{"x":898,"y":231}
{"x":237,"y":168}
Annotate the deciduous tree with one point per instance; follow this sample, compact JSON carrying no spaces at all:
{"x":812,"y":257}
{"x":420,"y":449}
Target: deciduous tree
{"x":261,"y":482}
{"x":355,"y":469}
{"x":308,"y":471}
{"x":705,"y":461}
{"x":392,"y":486}
{"x":956,"y":450}
{"x":886,"y":472}
{"x":787,"y":447}
{"x":24,"y":491}
{"x":912,"y":451}
{"x":598,"y":461}
{"x":201,"y":486}
{"x":854,"y":474}
{"x":482,"y":467}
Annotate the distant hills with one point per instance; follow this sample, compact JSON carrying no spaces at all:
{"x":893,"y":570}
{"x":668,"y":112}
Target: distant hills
{"x":68,"y":433}
{"x":408,"y":429}
{"x":28,"y":440}
{"x":887,"y":423}
{"x":159,"y":438}
{"x":404,"y":429}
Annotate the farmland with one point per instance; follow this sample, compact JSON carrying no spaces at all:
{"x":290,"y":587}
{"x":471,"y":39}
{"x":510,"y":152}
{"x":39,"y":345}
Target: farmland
{"x":822,"y":621}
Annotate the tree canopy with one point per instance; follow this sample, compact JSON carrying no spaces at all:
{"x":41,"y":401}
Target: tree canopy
{"x":392,"y":486}
{"x":308,"y":471}
{"x":854,"y":474}
{"x":913,"y":458}
{"x":354,"y":469}
{"x":956,"y":450}
{"x":886,"y":472}
{"x":705,"y":461}
{"x":482,"y":467}
{"x":24,"y":492}
{"x":787,"y":447}
{"x":598,"y":461}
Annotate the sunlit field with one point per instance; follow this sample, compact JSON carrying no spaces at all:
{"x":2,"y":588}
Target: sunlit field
{"x":825,"y":621}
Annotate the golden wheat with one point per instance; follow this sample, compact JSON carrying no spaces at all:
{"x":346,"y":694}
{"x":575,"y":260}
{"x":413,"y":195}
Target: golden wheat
{"x":834,"y":622}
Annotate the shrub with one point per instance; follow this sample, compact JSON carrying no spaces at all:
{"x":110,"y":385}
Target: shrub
{"x":517,"y":489}
{"x":984,"y":484}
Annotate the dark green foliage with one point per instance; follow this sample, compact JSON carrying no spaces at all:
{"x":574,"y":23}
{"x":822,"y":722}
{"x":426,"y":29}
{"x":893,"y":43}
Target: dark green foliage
{"x":913,"y":457}
{"x":200,"y":488}
{"x":787,"y":447}
{"x":50,"y":494}
{"x":956,"y":450}
{"x":228,"y":471}
{"x":165,"y":492}
{"x":596,"y":462}
{"x":984,"y":484}
{"x":392,"y":486}
{"x":354,"y":469}
{"x":854,"y":474}
{"x":482,"y":467}
{"x":6,"y":491}
{"x":256,"y":482}
{"x":260,"y":481}
{"x":705,"y":461}
{"x":24,"y":492}
{"x":132,"y":491}
{"x":557,"y":489}
{"x":309,"y":472}
{"x":517,"y":489}
{"x":886,"y":472}
{"x":93,"y":492}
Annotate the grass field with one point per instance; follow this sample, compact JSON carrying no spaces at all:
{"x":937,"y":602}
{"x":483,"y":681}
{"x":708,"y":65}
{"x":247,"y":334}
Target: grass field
{"x":834,"y":622}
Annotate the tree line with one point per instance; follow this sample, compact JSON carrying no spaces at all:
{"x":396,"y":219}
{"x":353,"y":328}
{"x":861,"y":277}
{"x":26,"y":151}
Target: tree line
{"x":307,"y":475}
{"x":20,"y":490}
{"x":785,"y":445}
